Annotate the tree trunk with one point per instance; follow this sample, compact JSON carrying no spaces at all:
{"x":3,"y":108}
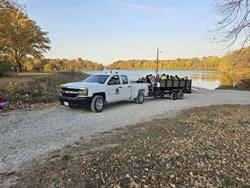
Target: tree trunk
{"x":19,"y":66}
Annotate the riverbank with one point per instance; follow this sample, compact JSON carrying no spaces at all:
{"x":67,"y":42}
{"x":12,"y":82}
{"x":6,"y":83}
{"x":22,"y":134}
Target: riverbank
{"x":206,"y":146}
{"x":243,"y":85}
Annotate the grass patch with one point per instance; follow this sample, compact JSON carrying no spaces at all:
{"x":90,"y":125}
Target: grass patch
{"x":33,"y":88}
{"x":66,"y":157}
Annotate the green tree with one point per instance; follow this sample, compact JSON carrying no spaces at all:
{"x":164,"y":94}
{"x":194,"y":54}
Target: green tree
{"x":20,"y":37}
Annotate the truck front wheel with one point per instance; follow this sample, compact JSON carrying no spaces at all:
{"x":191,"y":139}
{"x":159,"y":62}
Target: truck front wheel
{"x":140,"y":98}
{"x":97,"y":103}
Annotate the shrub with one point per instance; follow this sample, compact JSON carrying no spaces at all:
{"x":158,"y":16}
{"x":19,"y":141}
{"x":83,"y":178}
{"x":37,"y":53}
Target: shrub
{"x":43,"y":89}
{"x":245,"y":84}
{"x":242,"y":85}
{"x":5,"y":68}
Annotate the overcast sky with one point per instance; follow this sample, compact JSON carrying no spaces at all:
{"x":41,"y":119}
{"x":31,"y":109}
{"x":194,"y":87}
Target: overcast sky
{"x":107,"y":30}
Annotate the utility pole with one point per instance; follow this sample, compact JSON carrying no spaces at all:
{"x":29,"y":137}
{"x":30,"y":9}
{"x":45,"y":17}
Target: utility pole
{"x":157,"y":61}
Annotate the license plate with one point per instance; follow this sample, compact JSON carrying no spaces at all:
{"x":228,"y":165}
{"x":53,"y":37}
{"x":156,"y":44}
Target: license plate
{"x":65,"y":103}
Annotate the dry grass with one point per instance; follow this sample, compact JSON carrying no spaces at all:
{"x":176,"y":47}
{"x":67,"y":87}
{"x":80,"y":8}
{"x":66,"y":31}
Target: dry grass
{"x":24,"y":89}
{"x":21,"y":78}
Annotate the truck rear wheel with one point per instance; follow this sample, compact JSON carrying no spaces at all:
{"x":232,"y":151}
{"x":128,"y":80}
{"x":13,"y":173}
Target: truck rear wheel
{"x":140,"y":98}
{"x":97,"y":103}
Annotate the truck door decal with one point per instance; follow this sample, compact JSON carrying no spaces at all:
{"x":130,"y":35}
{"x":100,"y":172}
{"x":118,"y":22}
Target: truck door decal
{"x":117,"y":91}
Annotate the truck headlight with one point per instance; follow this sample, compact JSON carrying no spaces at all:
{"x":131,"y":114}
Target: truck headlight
{"x":83,"y":93}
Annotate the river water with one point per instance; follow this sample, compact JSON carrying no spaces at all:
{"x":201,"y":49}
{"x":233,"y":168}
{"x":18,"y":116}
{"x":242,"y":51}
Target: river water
{"x":200,"y":78}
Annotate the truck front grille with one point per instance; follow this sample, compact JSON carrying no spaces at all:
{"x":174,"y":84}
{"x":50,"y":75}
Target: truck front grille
{"x":68,"y":92}
{"x":68,"y":95}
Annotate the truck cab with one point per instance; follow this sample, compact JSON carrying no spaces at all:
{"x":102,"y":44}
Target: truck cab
{"x":98,"y":89}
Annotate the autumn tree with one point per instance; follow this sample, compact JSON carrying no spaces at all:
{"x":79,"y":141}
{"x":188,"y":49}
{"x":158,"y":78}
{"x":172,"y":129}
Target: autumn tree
{"x":235,"y":22}
{"x":20,"y":37}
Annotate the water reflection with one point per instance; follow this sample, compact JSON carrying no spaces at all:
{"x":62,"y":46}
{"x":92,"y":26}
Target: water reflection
{"x":200,"y":78}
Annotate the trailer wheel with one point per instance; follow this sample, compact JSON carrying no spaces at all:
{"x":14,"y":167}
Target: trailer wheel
{"x":174,"y":96}
{"x":97,"y":103}
{"x":140,"y":98}
{"x":180,"y":95}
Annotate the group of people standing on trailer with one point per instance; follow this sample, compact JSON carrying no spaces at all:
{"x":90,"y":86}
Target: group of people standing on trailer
{"x":151,"y":79}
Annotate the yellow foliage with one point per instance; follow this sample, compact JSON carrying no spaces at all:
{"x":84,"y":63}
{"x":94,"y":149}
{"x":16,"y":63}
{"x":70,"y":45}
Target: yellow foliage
{"x":20,"y":36}
{"x":47,"y":68}
{"x":236,"y":61}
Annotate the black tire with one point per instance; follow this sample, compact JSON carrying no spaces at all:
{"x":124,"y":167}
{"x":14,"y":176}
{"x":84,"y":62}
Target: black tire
{"x":181,"y":95}
{"x":174,"y":96}
{"x":97,"y":104}
{"x":140,"y":98}
{"x":71,"y":106}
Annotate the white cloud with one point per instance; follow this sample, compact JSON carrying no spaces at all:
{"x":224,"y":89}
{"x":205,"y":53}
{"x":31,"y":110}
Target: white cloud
{"x":134,"y":5}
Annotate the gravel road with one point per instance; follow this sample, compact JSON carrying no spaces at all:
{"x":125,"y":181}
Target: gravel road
{"x":28,"y":134}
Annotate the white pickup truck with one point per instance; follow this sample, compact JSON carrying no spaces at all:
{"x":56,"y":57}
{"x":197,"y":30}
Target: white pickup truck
{"x":98,"y":89}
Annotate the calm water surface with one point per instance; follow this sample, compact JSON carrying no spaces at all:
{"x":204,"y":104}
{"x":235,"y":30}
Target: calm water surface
{"x":200,"y":78}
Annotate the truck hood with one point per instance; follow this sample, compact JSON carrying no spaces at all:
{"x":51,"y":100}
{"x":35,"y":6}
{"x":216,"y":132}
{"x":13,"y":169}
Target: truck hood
{"x":79,"y":85}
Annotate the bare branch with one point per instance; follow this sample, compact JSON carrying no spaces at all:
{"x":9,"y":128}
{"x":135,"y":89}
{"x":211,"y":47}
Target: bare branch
{"x":235,"y":21}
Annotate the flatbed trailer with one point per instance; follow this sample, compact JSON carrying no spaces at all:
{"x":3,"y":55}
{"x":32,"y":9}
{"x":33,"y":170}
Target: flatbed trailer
{"x":174,"y":89}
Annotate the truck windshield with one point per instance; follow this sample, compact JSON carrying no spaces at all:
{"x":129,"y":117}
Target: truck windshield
{"x":97,"y":78}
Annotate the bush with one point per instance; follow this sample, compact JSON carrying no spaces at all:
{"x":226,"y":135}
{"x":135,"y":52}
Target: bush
{"x":5,"y":68}
{"x":242,"y":85}
{"x":44,"y":89}
{"x":245,"y":84}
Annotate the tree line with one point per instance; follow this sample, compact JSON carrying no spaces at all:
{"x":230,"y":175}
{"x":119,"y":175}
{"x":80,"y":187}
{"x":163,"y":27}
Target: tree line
{"x":237,"y":61}
{"x":50,"y":65}
{"x":55,"y":65}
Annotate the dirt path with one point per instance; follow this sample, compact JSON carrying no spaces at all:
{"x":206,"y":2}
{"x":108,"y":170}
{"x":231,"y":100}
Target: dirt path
{"x":199,"y":147}
{"x":28,"y":134}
